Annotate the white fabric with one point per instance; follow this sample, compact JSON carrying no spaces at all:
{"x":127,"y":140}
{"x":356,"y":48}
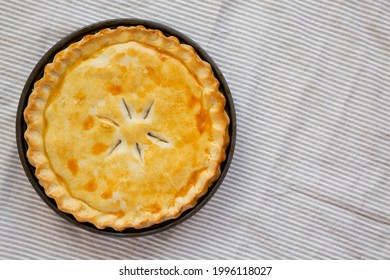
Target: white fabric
{"x":310,"y":175}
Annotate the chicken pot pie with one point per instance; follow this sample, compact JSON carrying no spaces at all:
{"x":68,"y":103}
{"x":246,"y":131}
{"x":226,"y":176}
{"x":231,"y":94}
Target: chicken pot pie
{"x":127,"y":128}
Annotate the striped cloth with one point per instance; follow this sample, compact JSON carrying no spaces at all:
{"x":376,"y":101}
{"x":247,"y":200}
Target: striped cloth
{"x":310,"y":175}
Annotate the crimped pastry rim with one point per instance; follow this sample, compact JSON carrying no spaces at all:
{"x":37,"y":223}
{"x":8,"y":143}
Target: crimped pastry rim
{"x":38,"y":160}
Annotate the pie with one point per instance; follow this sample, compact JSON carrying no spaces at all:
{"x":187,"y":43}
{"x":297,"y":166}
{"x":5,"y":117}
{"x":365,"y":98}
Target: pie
{"x":127,"y":128}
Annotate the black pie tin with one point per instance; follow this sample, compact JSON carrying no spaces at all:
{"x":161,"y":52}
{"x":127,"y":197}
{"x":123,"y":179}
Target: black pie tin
{"x":37,"y":73}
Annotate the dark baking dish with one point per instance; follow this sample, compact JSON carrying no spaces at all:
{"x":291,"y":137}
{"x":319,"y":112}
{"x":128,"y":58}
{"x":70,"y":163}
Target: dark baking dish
{"x":37,"y":73}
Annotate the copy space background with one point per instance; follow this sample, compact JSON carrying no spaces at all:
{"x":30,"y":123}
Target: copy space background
{"x":310,"y":175}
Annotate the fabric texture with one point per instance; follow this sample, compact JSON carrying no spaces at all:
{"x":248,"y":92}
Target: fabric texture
{"x":310,"y":174}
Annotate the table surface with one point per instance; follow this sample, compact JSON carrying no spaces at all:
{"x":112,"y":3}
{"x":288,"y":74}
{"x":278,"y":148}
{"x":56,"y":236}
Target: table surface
{"x":310,"y":175}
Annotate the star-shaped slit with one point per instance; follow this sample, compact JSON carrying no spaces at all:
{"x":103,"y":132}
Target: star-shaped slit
{"x":131,"y":116}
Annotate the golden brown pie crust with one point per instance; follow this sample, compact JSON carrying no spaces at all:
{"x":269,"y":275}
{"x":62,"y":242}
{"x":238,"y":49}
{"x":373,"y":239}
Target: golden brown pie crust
{"x":126,"y":128}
